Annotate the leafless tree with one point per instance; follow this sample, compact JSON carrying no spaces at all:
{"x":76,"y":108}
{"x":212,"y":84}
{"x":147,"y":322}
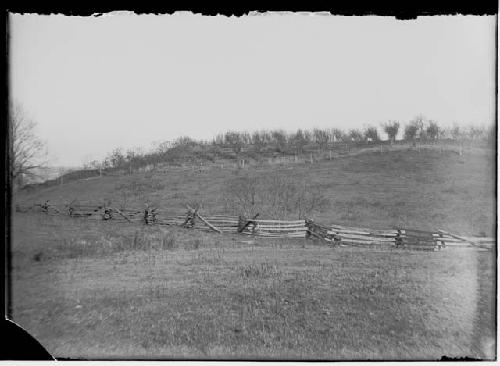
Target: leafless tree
{"x":432,"y":130}
{"x":273,"y":195}
{"x":455,"y":132}
{"x":371,"y":133}
{"x":391,"y":128}
{"x":280,"y":139}
{"x":258,"y":141}
{"x":337,"y":134}
{"x":299,"y":140}
{"x":321,"y":137}
{"x":234,"y":140}
{"x":28,"y":152}
{"x":474,"y":132}
{"x":415,"y":128}
{"x":356,"y":135}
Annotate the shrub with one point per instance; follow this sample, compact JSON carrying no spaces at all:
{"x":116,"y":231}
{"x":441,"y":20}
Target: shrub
{"x":262,"y":270}
{"x":273,"y":195}
{"x":168,"y":241}
{"x":197,"y":243}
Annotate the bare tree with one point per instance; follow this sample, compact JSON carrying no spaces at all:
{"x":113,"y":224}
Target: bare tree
{"x":432,"y":130}
{"x":28,"y":152}
{"x":234,"y":140}
{"x":299,"y":140}
{"x":218,"y":140}
{"x":455,"y":132}
{"x":259,"y":141}
{"x":356,"y":135}
{"x":371,"y":133}
{"x":474,"y":132}
{"x":337,"y":134}
{"x":321,"y":138}
{"x":415,"y":128}
{"x":391,"y":128}
{"x":279,"y":138}
{"x":273,"y":195}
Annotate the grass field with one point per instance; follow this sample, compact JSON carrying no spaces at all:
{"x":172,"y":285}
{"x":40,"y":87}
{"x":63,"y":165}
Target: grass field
{"x":91,"y":289}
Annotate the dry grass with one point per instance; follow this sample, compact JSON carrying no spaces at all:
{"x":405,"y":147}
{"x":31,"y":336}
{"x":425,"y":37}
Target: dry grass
{"x":270,"y":299}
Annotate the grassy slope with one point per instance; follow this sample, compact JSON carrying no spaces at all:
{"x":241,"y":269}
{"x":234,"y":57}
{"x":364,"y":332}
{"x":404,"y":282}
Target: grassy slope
{"x":424,"y":189}
{"x":96,"y":289}
{"x":102,"y":290}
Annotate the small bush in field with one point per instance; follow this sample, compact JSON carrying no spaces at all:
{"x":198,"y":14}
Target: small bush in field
{"x":136,"y":242}
{"x":38,"y":256}
{"x":168,"y":241}
{"x":197,"y":243}
{"x":258,"y":270}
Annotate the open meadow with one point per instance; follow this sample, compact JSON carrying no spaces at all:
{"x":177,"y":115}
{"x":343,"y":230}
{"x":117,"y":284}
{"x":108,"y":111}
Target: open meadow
{"x":95,"y":289}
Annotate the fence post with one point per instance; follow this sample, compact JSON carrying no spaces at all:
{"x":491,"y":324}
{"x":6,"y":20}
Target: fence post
{"x":399,"y":239}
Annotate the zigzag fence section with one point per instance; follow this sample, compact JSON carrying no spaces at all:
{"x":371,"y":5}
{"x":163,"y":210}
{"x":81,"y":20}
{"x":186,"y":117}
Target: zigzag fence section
{"x":334,"y":235}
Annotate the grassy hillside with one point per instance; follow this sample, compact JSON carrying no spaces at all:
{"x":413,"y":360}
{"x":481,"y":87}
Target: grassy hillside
{"x":425,"y":189}
{"x":95,"y":289}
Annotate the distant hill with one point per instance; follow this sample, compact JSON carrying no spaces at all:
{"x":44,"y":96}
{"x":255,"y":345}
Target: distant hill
{"x":48,"y":173}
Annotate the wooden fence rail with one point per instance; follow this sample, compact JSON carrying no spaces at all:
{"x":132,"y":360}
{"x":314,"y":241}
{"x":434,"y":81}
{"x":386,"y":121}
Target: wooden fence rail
{"x":334,"y":234}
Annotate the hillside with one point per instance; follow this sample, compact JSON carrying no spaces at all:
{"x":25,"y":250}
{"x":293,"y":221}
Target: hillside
{"x":425,"y":189}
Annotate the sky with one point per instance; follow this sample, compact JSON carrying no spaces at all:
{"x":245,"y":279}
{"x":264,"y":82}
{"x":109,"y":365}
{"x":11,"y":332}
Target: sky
{"x":93,"y":84}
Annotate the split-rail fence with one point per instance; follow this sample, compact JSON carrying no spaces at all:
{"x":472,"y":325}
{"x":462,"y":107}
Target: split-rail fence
{"x":332,"y":234}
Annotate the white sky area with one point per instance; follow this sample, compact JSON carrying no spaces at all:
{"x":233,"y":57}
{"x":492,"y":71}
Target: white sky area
{"x":96,"y":83}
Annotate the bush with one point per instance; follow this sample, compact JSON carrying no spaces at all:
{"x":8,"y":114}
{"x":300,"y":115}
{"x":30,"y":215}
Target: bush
{"x":168,"y":241}
{"x":262,"y":270}
{"x":274,"y":195}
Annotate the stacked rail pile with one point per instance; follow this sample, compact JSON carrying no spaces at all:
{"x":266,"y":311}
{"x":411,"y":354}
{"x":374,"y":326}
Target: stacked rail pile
{"x":419,"y":240}
{"x":362,"y":236}
{"x":276,"y":228}
{"x":344,"y":235}
{"x":452,"y":240}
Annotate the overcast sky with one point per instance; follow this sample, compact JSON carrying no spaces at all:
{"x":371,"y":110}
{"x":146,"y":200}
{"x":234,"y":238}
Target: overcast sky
{"x":94,"y":84}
